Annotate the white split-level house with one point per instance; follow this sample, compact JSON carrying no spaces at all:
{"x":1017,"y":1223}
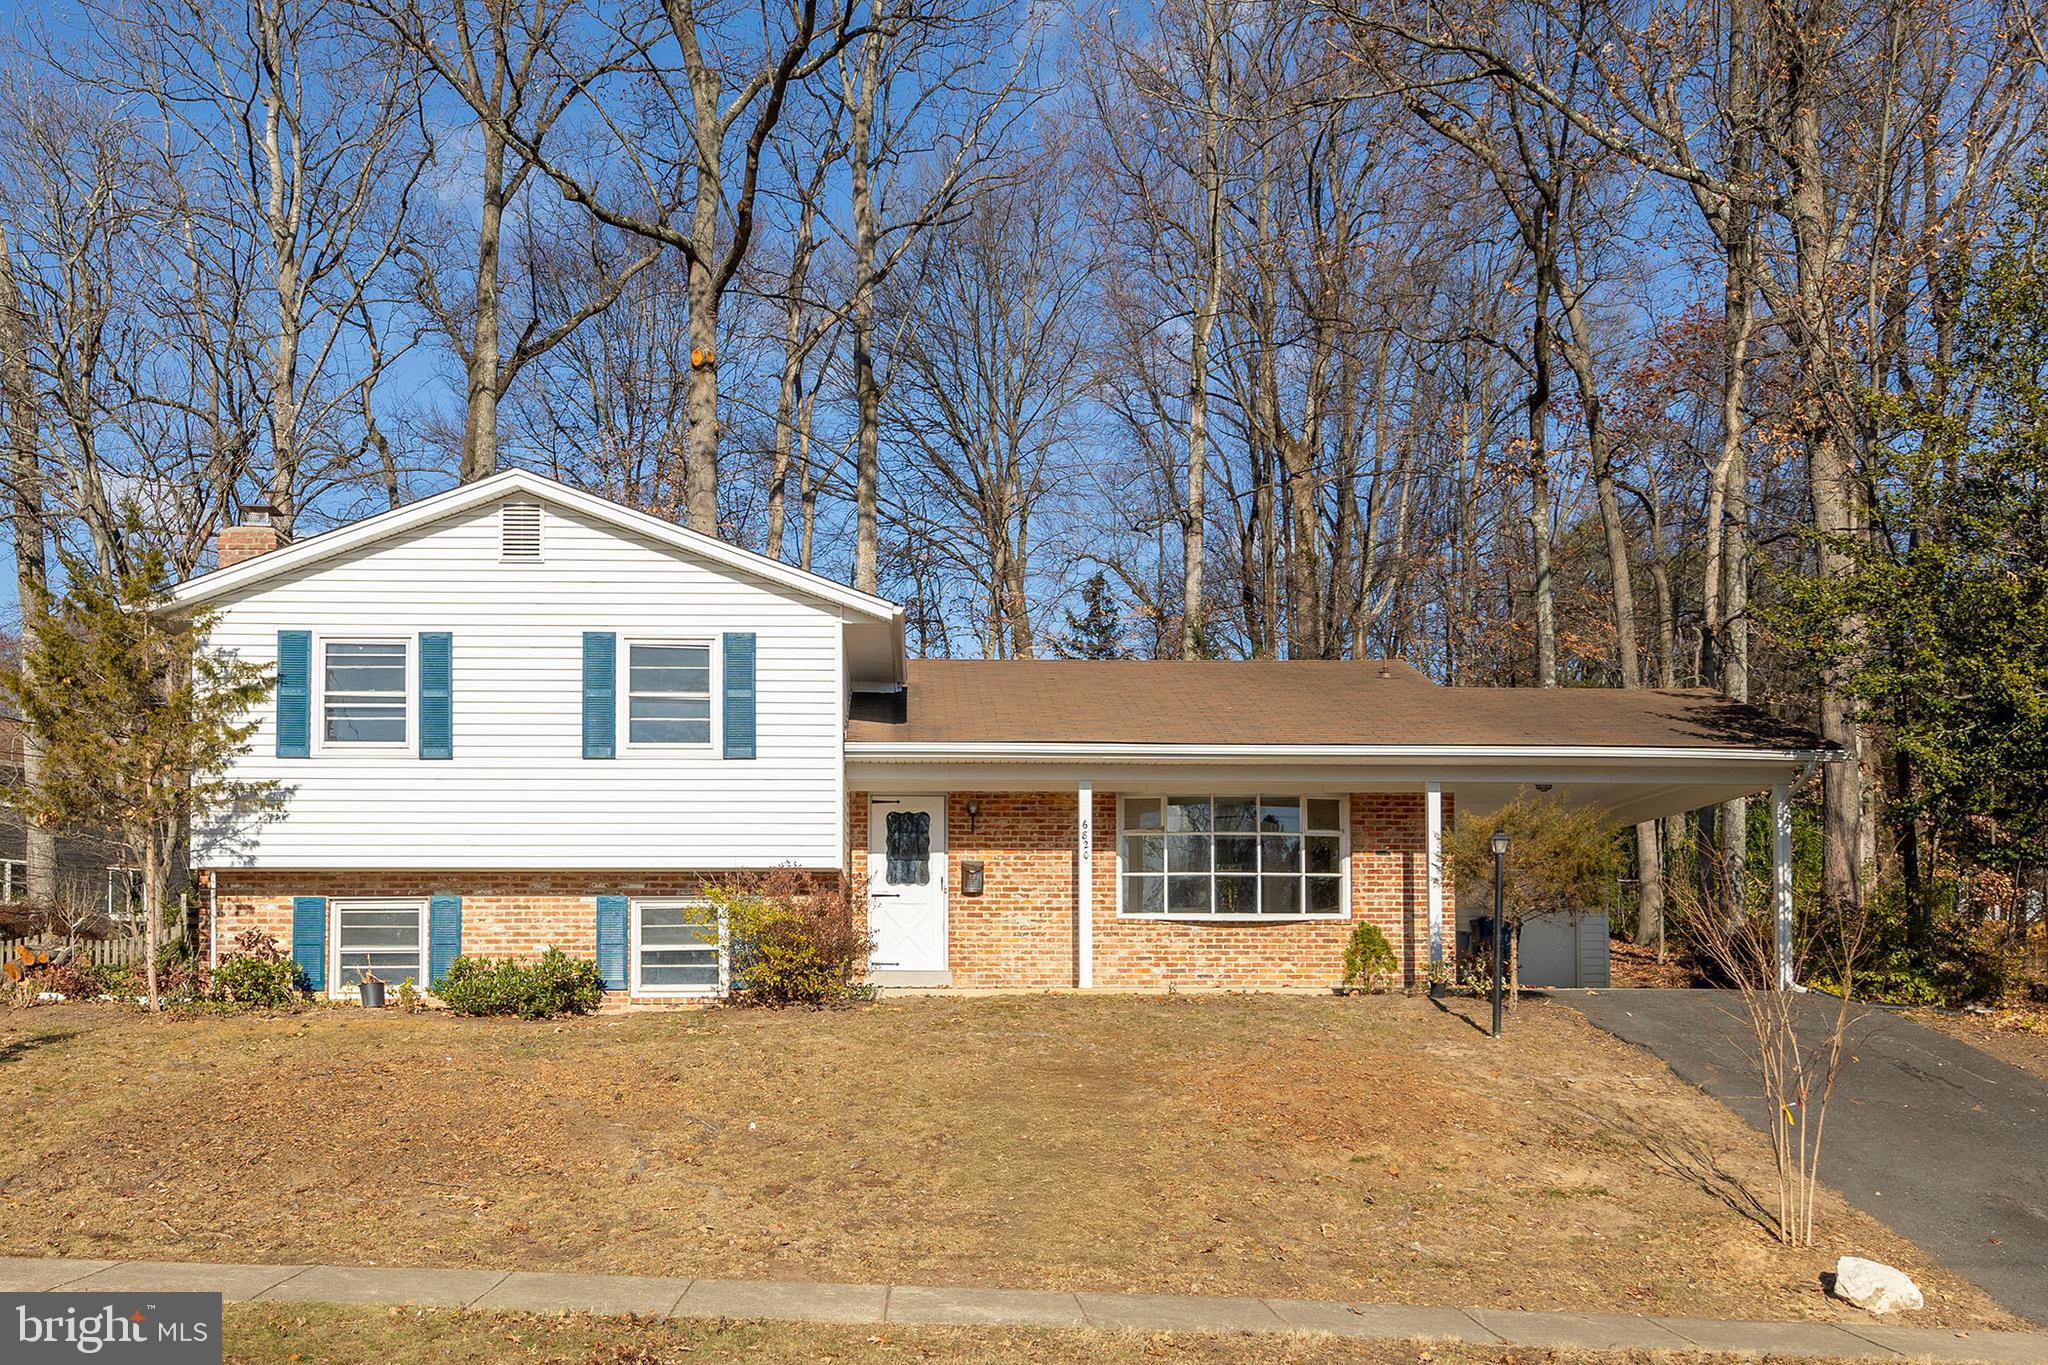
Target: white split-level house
{"x":515,"y":715}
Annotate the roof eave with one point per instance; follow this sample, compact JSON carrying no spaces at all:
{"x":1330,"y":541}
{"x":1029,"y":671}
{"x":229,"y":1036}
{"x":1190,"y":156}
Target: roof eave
{"x":227,"y":582}
{"x":1347,"y":754}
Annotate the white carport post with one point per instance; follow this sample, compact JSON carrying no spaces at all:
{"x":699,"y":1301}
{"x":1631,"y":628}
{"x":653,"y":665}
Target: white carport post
{"x":1433,"y":852}
{"x":1084,"y":881}
{"x":1781,"y":878}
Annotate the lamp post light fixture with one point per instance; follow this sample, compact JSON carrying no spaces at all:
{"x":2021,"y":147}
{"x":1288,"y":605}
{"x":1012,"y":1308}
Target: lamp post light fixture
{"x":1500,"y":875}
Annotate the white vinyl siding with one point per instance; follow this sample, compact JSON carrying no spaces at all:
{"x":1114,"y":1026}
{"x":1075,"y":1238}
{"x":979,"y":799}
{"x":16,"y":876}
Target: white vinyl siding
{"x":1232,"y":856}
{"x":678,"y":948}
{"x":385,"y":937}
{"x":518,"y":792}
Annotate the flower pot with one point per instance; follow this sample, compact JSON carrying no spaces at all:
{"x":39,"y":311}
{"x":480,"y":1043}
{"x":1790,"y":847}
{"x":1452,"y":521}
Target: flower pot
{"x":372,"y":993}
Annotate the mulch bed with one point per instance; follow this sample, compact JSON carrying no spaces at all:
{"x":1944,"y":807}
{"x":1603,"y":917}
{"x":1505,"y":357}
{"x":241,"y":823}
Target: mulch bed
{"x":1636,"y":964}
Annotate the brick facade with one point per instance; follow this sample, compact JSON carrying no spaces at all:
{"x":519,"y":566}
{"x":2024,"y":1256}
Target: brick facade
{"x":518,"y":914}
{"x":1020,"y":933}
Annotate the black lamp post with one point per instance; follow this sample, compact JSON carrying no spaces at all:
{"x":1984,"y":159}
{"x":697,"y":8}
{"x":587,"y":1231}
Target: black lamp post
{"x":1500,"y":876}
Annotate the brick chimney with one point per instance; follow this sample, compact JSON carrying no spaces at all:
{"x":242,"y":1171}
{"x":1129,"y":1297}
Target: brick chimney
{"x":255,"y":536}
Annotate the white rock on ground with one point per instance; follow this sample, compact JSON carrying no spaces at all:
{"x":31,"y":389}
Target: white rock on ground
{"x":1874,"y":1286}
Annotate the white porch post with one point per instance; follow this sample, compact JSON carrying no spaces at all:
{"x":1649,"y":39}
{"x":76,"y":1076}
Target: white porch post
{"x":1433,"y":853}
{"x":1781,"y":878}
{"x":1084,"y":881}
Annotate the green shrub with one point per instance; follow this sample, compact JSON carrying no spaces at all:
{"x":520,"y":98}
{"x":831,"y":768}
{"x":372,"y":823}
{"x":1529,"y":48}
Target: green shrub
{"x":1957,"y":959}
{"x":557,"y":984}
{"x":1368,"y":958}
{"x":256,"y":983}
{"x":121,"y":980}
{"x":791,"y":943}
{"x":259,"y":975}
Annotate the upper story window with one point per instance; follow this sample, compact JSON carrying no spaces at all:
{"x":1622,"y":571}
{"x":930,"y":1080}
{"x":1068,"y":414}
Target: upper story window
{"x":363,"y":691}
{"x":668,"y":693}
{"x":1250,"y":856}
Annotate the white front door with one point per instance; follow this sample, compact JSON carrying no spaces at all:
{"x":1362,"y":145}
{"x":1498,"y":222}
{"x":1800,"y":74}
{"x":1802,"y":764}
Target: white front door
{"x":907,"y":883}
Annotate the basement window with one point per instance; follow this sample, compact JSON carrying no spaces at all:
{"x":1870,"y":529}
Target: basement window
{"x":1232,"y":857}
{"x":385,"y":938}
{"x":678,"y":948}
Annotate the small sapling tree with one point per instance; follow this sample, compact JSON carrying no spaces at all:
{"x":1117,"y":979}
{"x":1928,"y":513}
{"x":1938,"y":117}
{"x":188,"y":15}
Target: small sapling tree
{"x":1561,"y":860}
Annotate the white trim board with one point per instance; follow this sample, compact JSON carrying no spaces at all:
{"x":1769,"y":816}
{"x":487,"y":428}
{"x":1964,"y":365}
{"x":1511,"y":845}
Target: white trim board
{"x":304,"y":553}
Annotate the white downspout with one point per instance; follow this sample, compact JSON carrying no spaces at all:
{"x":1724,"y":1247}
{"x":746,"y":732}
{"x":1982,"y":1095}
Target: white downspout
{"x":212,"y":920}
{"x":1084,"y":881}
{"x":1433,"y":852}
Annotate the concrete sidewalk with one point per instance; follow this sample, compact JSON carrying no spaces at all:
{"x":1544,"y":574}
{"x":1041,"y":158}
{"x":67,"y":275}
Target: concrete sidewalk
{"x":872,"y":1304}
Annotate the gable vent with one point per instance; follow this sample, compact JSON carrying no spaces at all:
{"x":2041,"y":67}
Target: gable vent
{"x":519,"y":532}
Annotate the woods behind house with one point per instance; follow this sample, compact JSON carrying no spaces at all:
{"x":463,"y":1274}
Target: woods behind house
{"x":1535,"y":343}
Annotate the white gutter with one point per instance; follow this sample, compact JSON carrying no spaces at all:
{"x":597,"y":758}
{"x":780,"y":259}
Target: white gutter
{"x":995,"y":752}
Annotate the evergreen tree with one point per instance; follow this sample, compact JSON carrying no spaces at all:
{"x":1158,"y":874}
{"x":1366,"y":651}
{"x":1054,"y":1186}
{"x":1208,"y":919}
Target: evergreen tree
{"x":140,"y":720}
{"x":1098,"y":632}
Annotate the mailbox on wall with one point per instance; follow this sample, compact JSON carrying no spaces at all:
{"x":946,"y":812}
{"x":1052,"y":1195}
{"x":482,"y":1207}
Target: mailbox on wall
{"x":970,"y":876}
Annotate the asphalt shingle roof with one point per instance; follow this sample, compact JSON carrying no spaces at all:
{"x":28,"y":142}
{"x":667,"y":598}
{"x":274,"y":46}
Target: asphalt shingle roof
{"x":1291,"y":702}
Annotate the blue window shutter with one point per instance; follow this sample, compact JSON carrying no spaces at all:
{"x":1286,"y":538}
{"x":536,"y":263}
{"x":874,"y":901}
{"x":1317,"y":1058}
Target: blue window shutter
{"x":611,"y":941}
{"x":739,"y":695}
{"x":294,"y":693}
{"x":600,"y":703}
{"x":437,"y":694}
{"x":309,"y":938}
{"x":444,"y":935}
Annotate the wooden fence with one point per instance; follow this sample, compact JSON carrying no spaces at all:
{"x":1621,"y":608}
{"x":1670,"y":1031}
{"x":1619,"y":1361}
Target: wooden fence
{"x":100,"y":952}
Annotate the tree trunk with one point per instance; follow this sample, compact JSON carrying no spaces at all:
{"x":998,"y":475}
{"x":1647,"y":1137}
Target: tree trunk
{"x":867,"y":393}
{"x":31,"y":552}
{"x":1194,"y":517}
{"x":152,"y":914}
{"x":480,"y":424}
{"x":700,"y":405}
{"x":1541,"y":589}
{"x":282,"y":219}
{"x":790,"y":393}
{"x":1832,"y":489}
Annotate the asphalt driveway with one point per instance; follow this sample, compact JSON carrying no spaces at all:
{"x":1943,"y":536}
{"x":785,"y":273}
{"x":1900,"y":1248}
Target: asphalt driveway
{"x":1943,"y":1143}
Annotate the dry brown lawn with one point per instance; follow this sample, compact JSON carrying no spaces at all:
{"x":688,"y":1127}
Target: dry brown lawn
{"x":1364,"y":1149}
{"x":270,"y":1333}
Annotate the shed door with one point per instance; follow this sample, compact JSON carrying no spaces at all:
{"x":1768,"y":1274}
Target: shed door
{"x":907,"y":883}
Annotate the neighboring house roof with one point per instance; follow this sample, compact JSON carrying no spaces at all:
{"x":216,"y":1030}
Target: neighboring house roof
{"x":301,"y":554}
{"x":1365,"y":704}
